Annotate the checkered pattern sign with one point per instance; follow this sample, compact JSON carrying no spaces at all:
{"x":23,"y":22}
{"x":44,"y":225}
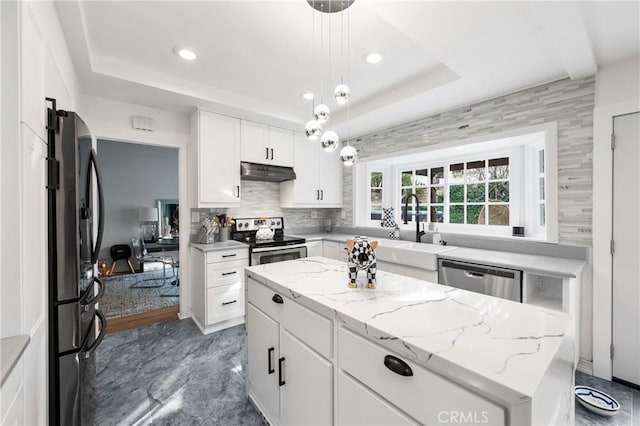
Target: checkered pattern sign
{"x":388,"y":220}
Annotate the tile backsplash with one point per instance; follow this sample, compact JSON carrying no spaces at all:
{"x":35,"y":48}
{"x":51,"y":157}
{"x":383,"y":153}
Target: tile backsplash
{"x":263,"y":199}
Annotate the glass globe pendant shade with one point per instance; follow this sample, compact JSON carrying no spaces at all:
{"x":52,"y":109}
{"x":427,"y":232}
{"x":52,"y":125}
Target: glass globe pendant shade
{"x":313,"y":130}
{"x":329,"y":141}
{"x":321,"y":113}
{"x":348,"y":155}
{"x":342,"y":94}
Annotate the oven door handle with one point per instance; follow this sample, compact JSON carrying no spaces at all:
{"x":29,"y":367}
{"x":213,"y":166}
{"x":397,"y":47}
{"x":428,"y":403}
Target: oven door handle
{"x":278,"y":248}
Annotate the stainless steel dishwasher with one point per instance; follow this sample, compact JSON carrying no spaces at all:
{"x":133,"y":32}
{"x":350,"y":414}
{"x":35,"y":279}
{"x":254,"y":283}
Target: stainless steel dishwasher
{"x":484,"y":279}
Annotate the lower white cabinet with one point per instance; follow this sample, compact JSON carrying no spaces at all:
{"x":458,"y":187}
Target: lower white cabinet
{"x":287,"y":378}
{"x":314,"y":248}
{"x":334,"y":250}
{"x":218,"y":288}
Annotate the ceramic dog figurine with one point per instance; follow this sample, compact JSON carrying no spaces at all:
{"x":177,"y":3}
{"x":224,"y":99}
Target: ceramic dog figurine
{"x":361,"y":256}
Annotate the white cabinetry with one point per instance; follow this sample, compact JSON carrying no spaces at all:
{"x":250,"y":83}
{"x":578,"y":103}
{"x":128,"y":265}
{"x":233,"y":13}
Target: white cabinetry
{"x":318,"y":180}
{"x":266,"y":144}
{"x":421,"y":394}
{"x":289,"y":373}
{"x":314,"y":248}
{"x":218,"y":288}
{"x":215,"y":160}
{"x":334,"y":250}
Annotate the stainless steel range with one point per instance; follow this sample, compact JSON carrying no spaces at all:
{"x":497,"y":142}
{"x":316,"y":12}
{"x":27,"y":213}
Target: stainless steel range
{"x":276,"y":249}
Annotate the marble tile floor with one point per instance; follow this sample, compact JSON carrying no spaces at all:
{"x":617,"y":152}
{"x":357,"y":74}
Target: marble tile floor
{"x":629,"y":399}
{"x":171,"y":374}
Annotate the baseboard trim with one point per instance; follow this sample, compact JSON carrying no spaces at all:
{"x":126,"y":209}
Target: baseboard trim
{"x":585,"y":366}
{"x":218,"y":326}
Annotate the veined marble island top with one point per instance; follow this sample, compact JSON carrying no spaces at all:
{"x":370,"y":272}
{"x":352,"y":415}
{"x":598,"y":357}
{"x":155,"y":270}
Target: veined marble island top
{"x":492,"y":345}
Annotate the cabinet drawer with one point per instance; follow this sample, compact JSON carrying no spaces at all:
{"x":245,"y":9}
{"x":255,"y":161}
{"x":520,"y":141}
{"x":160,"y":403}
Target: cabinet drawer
{"x":358,"y":405}
{"x":311,"y":328}
{"x":262,"y":298}
{"x":225,"y":255}
{"x":424,"y":395}
{"x":222,"y":273}
{"x":225,"y":303}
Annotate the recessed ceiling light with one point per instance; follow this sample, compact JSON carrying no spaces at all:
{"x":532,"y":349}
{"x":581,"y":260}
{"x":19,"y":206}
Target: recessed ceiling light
{"x":185,"y":53}
{"x":373,"y":58}
{"x":308,"y":96}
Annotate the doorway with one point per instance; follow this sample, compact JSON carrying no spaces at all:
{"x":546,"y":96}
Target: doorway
{"x":139,"y":262}
{"x":625,"y":248}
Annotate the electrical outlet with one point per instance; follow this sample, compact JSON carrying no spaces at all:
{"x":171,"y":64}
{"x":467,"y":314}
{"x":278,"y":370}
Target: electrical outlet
{"x":343,"y":214}
{"x":314,"y":214}
{"x":195,"y":217}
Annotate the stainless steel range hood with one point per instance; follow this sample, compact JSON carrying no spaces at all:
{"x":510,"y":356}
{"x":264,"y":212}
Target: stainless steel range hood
{"x":265,"y":172}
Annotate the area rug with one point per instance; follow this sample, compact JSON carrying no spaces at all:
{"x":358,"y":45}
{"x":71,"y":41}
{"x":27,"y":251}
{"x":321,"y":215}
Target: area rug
{"x":120,"y":300}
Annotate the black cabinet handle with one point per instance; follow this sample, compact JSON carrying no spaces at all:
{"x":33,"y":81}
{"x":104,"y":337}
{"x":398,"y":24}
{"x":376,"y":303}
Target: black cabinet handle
{"x":270,"y":369}
{"x":238,"y":191}
{"x":230,"y":255}
{"x":317,"y":194}
{"x":277,"y":299}
{"x":228,"y":303}
{"x":280,"y":369}
{"x":228,"y":273}
{"x":397,"y":365}
{"x":322,"y":194}
{"x":272,"y":153}
{"x":267,"y":157}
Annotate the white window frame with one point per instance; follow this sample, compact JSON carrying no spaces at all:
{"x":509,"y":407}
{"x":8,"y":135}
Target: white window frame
{"x":521,"y":190}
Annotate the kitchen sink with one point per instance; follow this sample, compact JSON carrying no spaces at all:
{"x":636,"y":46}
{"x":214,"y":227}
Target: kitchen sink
{"x":424,"y":256}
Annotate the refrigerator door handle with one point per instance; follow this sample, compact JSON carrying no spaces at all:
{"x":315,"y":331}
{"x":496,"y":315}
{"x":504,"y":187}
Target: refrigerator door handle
{"x":103,"y":329}
{"x":88,"y":298}
{"x":94,"y":162}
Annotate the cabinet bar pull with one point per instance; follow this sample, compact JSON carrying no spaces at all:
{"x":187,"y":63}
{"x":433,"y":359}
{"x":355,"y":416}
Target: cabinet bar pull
{"x":228,"y":303}
{"x":228,"y":273}
{"x":272,"y":153}
{"x":267,"y":157}
{"x":230,"y":255}
{"x":277,"y":299}
{"x":322,"y":194}
{"x":397,"y":365}
{"x":270,"y":369}
{"x":317,"y":194}
{"x":238,"y":191}
{"x":280,"y":369}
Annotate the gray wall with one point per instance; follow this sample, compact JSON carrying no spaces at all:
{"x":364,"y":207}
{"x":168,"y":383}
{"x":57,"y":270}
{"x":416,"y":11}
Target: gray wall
{"x":134,"y":176}
{"x":569,"y":102}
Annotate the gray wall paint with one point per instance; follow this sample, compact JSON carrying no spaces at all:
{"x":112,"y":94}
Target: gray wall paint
{"x":569,"y":102}
{"x":134,"y":176}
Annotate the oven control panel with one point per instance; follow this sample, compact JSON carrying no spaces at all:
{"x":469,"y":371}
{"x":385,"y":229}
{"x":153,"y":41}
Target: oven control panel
{"x":252,"y":224}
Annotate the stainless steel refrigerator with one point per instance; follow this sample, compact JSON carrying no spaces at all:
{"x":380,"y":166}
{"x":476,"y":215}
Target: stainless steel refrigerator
{"x":76,"y":326}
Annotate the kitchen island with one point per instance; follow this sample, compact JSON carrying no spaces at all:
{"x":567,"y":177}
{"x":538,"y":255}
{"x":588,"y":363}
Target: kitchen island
{"x":407,"y":352}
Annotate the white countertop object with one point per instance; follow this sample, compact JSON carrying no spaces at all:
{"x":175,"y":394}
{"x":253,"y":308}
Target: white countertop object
{"x":11,"y":349}
{"x":224,"y":245}
{"x":492,"y":345}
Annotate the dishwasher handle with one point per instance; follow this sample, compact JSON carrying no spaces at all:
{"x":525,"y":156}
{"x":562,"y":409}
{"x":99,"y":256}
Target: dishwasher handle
{"x":478,"y":271}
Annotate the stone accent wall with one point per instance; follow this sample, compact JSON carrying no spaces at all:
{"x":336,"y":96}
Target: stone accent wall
{"x":569,"y":102}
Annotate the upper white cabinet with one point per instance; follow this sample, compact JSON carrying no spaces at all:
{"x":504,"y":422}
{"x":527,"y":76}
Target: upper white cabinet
{"x":266,"y":144}
{"x":318,"y":180}
{"x":215,"y":160}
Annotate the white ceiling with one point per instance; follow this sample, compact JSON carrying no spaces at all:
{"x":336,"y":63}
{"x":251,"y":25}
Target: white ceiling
{"x":255,"y":58}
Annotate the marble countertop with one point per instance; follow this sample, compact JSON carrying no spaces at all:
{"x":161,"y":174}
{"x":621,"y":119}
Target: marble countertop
{"x":11,"y":349}
{"x":486,"y":343}
{"x":546,"y":265}
{"x":217,"y":246}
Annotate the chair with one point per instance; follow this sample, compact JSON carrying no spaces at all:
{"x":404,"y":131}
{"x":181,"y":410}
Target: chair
{"x":120,"y":252}
{"x":140,"y":252}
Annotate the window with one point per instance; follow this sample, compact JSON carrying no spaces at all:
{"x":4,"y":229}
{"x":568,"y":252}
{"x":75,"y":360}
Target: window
{"x":483,"y":186}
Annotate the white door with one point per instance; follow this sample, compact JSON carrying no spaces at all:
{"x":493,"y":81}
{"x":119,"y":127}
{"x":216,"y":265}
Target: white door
{"x":219,"y":159}
{"x":281,"y":146}
{"x":262,"y":362}
{"x":306,"y":394}
{"x":330,"y":178}
{"x":626,"y":257}
{"x":305,"y":187}
{"x":255,"y":142}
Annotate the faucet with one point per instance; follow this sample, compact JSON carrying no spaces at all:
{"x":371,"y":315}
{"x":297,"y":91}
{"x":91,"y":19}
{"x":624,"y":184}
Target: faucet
{"x":419,"y":233}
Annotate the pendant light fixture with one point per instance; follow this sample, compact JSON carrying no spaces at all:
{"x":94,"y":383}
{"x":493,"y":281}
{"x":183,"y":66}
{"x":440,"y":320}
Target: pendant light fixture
{"x":348,"y":154}
{"x":329,"y":139}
